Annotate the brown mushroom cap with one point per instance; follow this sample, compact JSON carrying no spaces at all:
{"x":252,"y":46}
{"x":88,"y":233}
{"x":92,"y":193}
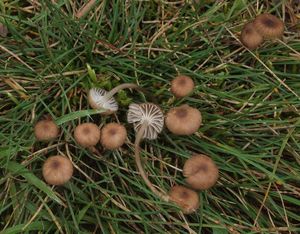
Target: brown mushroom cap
{"x":113,"y":135}
{"x":269,"y":26}
{"x":250,"y":37}
{"x":185,"y":198}
{"x":183,"y":120}
{"x":57,"y":170}
{"x":46,"y":130}
{"x":200,"y":171}
{"x":87,"y":134}
{"x":182,"y":86}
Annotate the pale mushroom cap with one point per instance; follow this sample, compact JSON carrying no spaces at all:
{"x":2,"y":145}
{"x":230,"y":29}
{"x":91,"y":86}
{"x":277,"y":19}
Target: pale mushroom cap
{"x":97,"y":100}
{"x":201,"y":172}
{"x":269,"y":26}
{"x":113,"y":136}
{"x":146,"y":112}
{"x":57,"y":170}
{"x":185,"y":198}
{"x":183,"y":120}
{"x":182,"y":86}
{"x":46,"y":130}
{"x":87,"y":134}
{"x":250,"y":37}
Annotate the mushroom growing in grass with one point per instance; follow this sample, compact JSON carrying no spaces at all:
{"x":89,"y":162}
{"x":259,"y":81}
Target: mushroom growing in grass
{"x":113,"y":136}
{"x":182,"y":86}
{"x":46,"y":130}
{"x":250,"y":37}
{"x":148,"y":121}
{"x":183,"y":120}
{"x":101,"y":99}
{"x":185,"y":198}
{"x":201,"y":172}
{"x":87,"y":134}
{"x":57,"y":170}
{"x":269,"y":26}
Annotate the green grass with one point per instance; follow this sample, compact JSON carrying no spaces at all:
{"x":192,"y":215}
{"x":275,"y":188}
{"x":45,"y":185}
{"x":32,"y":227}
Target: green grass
{"x":249,"y":102}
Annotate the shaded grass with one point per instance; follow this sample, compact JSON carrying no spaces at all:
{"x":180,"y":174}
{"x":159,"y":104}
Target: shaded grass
{"x":250,"y":129}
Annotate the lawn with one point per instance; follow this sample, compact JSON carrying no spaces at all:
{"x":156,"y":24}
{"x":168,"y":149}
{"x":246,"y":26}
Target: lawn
{"x":55,"y":51}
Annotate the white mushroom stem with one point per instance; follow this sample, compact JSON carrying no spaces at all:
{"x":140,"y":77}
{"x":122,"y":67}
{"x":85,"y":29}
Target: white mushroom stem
{"x":116,"y":89}
{"x":138,"y":139}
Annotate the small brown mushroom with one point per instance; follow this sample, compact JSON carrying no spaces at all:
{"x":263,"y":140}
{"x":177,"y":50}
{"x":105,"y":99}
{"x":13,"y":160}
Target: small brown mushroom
{"x":183,"y":120}
{"x":87,"y":134}
{"x":200,"y":171}
{"x":250,"y":37}
{"x":182,"y":86}
{"x":113,"y":136}
{"x":185,"y":198}
{"x":269,"y":26}
{"x":46,"y":130}
{"x":57,"y":170}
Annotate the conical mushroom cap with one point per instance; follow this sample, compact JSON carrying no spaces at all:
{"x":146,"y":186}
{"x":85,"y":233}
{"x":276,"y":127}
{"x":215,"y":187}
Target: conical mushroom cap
{"x":182,"y":86}
{"x":46,"y":130}
{"x":87,"y":134}
{"x":183,"y":120}
{"x":185,"y":198}
{"x":113,"y":135}
{"x":57,"y":170}
{"x":250,"y":37}
{"x":146,"y":112}
{"x":97,"y":100}
{"x":269,"y":26}
{"x":200,"y":171}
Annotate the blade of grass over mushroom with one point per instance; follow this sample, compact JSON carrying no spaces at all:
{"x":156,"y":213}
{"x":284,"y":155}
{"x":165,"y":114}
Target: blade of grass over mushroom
{"x":17,"y":169}
{"x":76,"y":115}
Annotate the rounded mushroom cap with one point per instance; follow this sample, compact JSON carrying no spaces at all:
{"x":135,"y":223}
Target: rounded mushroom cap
{"x":269,"y":26}
{"x":46,"y":130}
{"x":97,"y":100}
{"x":200,"y":171}
{"x":183,"y":120}
{"x":87,"y":134}
{"x":113,"y":135}
{"x":250,"y":37}
{"x":185,"y":198}
{"x":146,"y":112}
{"x":57,"y":170}
{"x":182,"y":86}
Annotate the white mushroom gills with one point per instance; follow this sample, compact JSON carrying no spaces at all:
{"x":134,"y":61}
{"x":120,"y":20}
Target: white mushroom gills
{"x":148,"y":121}
{"x":101,"y":99}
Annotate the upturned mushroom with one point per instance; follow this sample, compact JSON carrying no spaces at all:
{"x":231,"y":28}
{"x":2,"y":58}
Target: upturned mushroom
{"x":201,"y":172}
{"x":101,"y":99}
{"x":185,"y":198}
{"x":57,"y":170}
{"x":250,"y":37}
{"x":87,"y":134}
{"x":269,"y":26}
{"x":148,"y":122}
{"x":183,"y":120}
{"x":182,"y":86}
{"x":113,"y":136}
{"x":46,"y":130}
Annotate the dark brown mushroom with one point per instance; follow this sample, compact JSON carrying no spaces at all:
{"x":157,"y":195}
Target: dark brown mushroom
{"x":201,"y":172}
{"x":269,"y":26}
{"x":57,"y":170}
{"x":250,"y":37}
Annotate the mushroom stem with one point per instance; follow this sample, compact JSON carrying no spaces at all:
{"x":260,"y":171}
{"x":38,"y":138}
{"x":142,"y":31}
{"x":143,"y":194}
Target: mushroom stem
{"x":116,"y":89}
{"x":138,"y":139}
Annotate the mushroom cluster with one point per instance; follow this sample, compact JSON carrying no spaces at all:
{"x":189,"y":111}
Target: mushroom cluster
{"x":264,"y":27}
